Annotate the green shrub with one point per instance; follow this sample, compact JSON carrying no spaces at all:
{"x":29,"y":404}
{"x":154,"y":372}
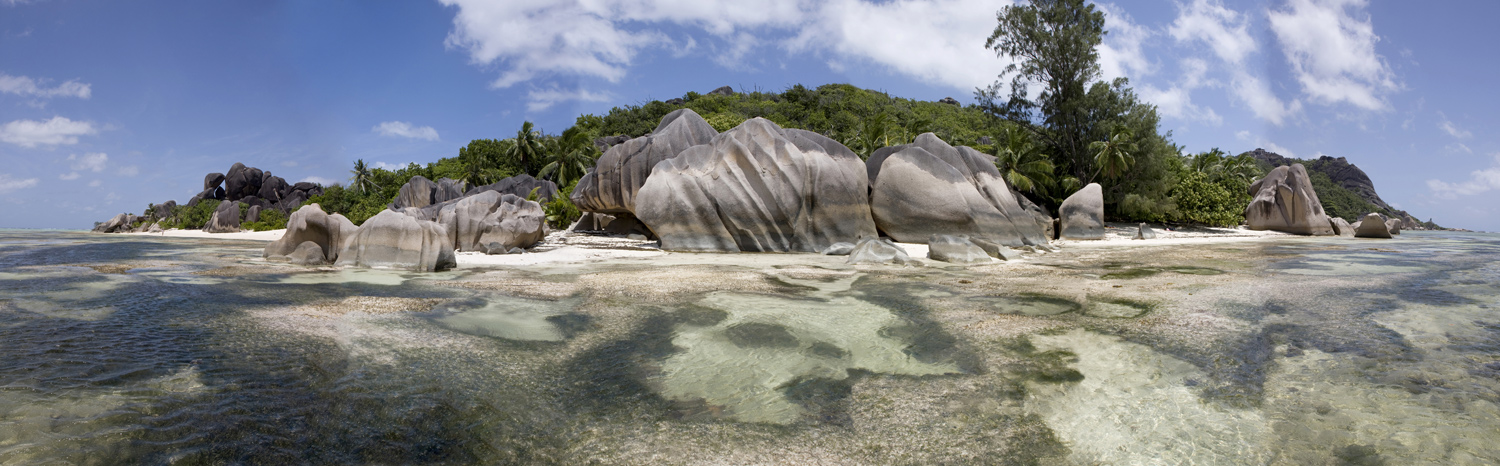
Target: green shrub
{"x":561,"y":212}
{"x":193,"y":218}
{"x":270,"y":219}
{"x":1204,"y":202}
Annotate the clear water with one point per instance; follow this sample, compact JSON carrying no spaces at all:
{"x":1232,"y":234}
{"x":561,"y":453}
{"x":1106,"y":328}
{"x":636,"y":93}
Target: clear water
{"x":118,"y":349}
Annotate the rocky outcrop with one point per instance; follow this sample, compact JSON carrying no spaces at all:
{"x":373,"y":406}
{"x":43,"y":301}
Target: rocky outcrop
{"x":226,"y":218}
{"x":1372,"y":226}
{"x":117,"y":224}
{"x":612,"y":185}
{"x":250,"y":186}
{"x":521,"y":186}
{"x":391,"y":239}
{"x":929,"y":187}
{"x":1082,"y":214}
{"x":1394,"y":225}
{"x":253,"y":214}
{"x":757,"y":188}
{"x":955,"y":249}
{"x":1145,"y":232}
{"x":879,"y":251}
{"x":476,"y":221}
{"x":1284,"y":200}
{"x":417,"y":192}
{"x":310,"y":224}
{"x":1340,"y":227}
{"x":212,"y":180}
{"x":163,"y":210}
{"x":1344,"y":174}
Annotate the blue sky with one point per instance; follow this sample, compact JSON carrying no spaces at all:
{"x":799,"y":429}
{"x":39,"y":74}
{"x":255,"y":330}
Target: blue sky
{"x":108,"y":106}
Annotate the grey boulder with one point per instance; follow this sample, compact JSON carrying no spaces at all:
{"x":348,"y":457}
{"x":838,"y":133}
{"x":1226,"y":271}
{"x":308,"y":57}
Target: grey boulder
{"x":308,"y":253}
{"x":839,"y":249}
{"x":391,"y":239}
{"x":212,"y":180}
{"x":417,"y":192}
{"x":879,"y":251}
{"x":930,"y":187}
{"x":1082,"y":214}
{"x":115,"y":224}
{"x":1284,"y":200}
{"x":476,"y":222}
{"x":226,"y":218}
{"x":1394,"y":225}
{"x":955,"y":249}
{"x":1145,"y":232}
{"x":253,"y":214}
{"x":616,"y":179}
{"x":758,"y":188}
{"x":311,"y":225}
{"x":1341,"y":227}
{"x":1372,"y":226}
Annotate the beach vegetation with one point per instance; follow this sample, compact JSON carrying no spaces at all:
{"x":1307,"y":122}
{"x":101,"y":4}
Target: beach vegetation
{"x":270,"y":219}
{"x":194,"y":217}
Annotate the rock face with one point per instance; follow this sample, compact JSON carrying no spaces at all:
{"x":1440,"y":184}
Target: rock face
{"x":1394,"y":225}
{"x":519,"y":185}
{"x":955,"y":249}
{"x":115,"y":224}
{"x":476,"y":221}
{"x":1372,"y":226}
{"x":248,"y":185}
{"x":226,"y":218}
{"x":310,"y":224}
{"x":417,"y":192}
{"x":758,"y":188}
{"x":308,"y":253}
{"x":1082,"y":214}
{"x":878,"y":251}
{"x":1340,"y":227}
{"x":391,"y":239}
{"x":253,"y":215}
{"x":929,"y":187}
{"x":1284,"y":200}
{"x":212,"y":180}
{"x":163,"y":210}
{"x":612,"y":185}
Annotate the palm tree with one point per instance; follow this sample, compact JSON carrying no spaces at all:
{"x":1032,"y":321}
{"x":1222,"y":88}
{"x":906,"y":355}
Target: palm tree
{"x":874,"y":133}
{"x":1113,"y":156}
{"x":570,"y":159}
{"x":1021,"y":162}
{"x":528,"y":147}
{"x":363,"y":179}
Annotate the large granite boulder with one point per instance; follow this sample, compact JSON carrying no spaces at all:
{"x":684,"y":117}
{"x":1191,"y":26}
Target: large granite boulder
{"x":1372,"y":226}
{"x":242,"y":181}
{"x":929,"y":187}
{"x":308,"y":253}
{"x":253,"y":214}
{"x":163,"y":210}
{"x":614,"y":182}
{"x":1394,"y":224}
{"x":226,"y":218}
{"x":310,"y":224}
{"x":520,"y":185}
{"x":475,"y":221}
{"x":448,"y":189}
{"x":1039,"y":214}
{"x":293,"y":200}
{"x":1340,"y":226}
{"x":757,"y":188}
{"x":417,"y":192}
{"x":955,"y":249}
{"x":115,"y":224}
{"x":212,"y":180}
{"x":272,"y":188}
{"x":1284,"y":201}
{"x":391,"y":239}
{"x":873,"y":250}
{"x":1082,"y":214}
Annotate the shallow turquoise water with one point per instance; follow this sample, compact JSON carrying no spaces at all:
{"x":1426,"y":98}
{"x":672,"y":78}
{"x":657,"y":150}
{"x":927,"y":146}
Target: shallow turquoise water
{"x":128,"y":349}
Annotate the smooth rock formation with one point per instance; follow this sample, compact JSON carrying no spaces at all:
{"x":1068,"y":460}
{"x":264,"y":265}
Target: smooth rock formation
{"x":839,"y":249}
{"x":879,"y":251}
{"x":758,"y":188}
{"x":155,"y":228}
{"x":520,"y":185}
{"x":163,"y":210}
{"x":478,"y":222}
{"x":253,"y":215}
{"x":1145,"y":232}
{"x":1284,"y":201}
{"x":929,"y":187}
{"x":1394,"y":224}
{"x":212,"y":180}
{"x":448,"y":189}
{"x":955,"y":249}
{"x":615,"y":181}
{"x":1039,"y":214}
{"x":417,"y":192}
{"x":115,"y":224}
{"x":391,"y":239}
{"x":308,"y":253}
{"x":310,"y":224}
{"x":1372,"y":226}
{"x":1081,"y":215}
{"x":1341,"y":227}
{"x":226,"y":218}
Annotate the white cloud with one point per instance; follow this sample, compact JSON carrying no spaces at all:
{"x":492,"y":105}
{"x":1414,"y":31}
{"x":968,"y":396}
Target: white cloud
{"x":1176,"y":101}
{"x":938,"y":41}
{"x":1332,"y":53}
{"x":95,"y":184}
{"x":1480,"y":181}
{"x":405,"y":130}
{"x":390,"y":166}
{"x":70,"y":176}
{"x":542,"y":99}
{"x":131,"y":170}
{"x":8,"y":184}
{"x":1452,"y":130}
{"x":1263,"y":103}
{"x":1459,"y":147}
{"x":1120,"y":55}
{"x":1223,"y":29}
{"x":1264,"y":143}
{"x":25,"y":86}
{"x":58,"y":130}
{"x":319,"y":180}
{"x":94,"y":162}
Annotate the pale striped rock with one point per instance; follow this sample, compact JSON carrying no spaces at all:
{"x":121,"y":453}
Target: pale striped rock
{"x":1285,"y":201}
{"x":395,"y":240}
{"x":929,"y":187}
{"x":612,"y":186}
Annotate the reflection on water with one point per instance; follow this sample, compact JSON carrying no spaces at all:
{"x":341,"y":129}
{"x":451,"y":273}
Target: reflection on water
{"x":128,"y":349}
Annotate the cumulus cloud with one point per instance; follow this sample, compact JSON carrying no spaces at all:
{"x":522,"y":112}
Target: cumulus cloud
{"x":1480,"y":181}
{"x":1121,"y":55}
{"x":94,"y":162}
{"x":70,"y":176}
{"x":28,"y":87}
{"x":319,"y":180}
{"x":32,"y":133}
{"x":1222,"y":29}
{"x":938,"y":41}
{"x":1262,"y":102}
{"x":405,"y":130}
{"x":1452,"y":130}
{"x":1332,"y":52}
{"x":8,"y":184}
{"x":542,"y":99}
{"x":1177,"y":101}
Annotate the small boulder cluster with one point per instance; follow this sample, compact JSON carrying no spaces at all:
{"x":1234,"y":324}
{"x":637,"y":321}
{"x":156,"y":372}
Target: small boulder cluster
{"x":258,"y":190}
{"x":1284,"y":200}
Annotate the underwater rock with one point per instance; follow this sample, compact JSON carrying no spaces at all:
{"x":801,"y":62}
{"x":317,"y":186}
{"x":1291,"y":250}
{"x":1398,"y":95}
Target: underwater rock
{"x":1285,"y":201}
{"x":226,"y":218}
{"x":929,"y":188}
{"x":614,"y":183}
{"x":310,"y":224}
{"x":1145,"y":232}
{"x":1082,"y":214}
{"x":839,"y":249}
{"x":879,"y":251}
{"x":1372,"y":226}
{"x":391,"y":239}
{"x":1340,"y":227}
{"x":475,"y":221}
{"x":758,"y":188}
{"x":955,"y":249}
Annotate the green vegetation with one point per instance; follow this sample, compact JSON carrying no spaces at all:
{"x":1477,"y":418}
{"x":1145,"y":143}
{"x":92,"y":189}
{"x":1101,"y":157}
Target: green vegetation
{"x":192,"y":218}
{"x":1340,"y":202}
{"x":270,"y":219}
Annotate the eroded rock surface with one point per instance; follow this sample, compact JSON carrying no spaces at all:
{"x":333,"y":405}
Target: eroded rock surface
{"x":613,"y":184}
{"x":930,"y":187}
{"x":1284,"y":201}
{"x":1372,"y":226}
{"x":879,"y":251}
{"x":1081,"y":215}
{"x":311,"y":225}
{"x":955,"y":249}
{"x":391,"y":239}
{"x":493,"y":223}
{"x":226,"y":218}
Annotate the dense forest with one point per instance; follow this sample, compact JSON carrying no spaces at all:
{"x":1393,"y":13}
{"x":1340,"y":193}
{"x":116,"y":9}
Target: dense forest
{"x":1079,"y":129}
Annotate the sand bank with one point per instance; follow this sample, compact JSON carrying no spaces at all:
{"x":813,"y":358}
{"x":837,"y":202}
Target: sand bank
{"x":267,"y":236}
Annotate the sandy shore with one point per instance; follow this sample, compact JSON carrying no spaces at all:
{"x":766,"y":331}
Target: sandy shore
{"x":574,"y":248}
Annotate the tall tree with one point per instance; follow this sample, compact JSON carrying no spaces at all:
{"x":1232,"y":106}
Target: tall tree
{"x":528,"y":148}
{"x":363,"y":179}
{"x":1114,"y":156}
{"x":1052,"y":45}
